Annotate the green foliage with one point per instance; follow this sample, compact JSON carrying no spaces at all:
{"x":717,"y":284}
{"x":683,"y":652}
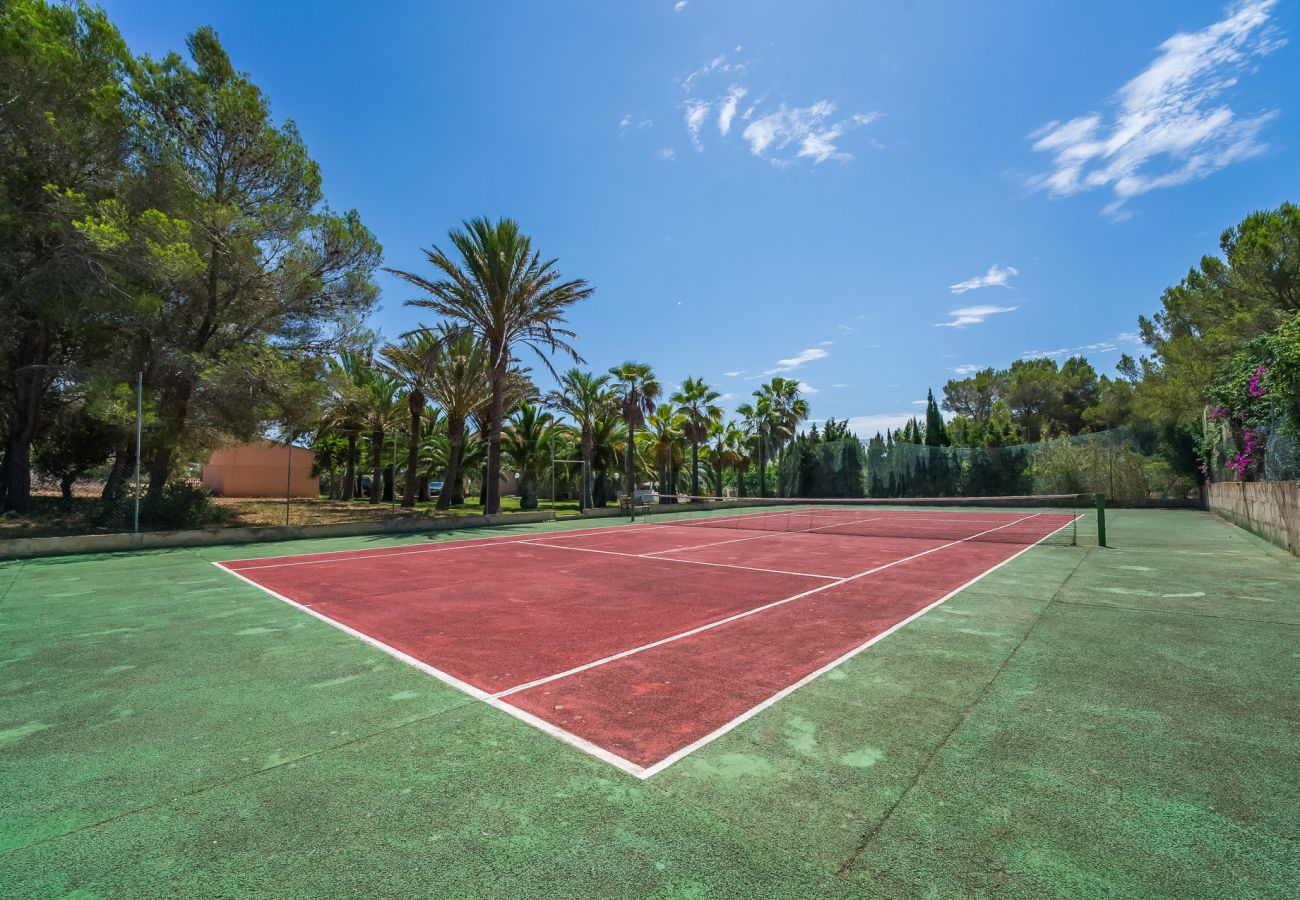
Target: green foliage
{"x":502,"y":291}
{"x":179,"y":505}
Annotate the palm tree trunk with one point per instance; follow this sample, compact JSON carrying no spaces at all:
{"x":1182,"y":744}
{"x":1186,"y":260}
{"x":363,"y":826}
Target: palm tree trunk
{"x":740,"y":481}
{"x":695,"y":469}
{"x":630,"y":458}
{"x":585,"y":501}
{"x":416,"y":402}
{"x":717,"y":492}
{"x":350,"y":470}
{"x":762,"y":468}
{"x":377,"y":465}
{"x":451,"y":479}
{"x":492,"y":481}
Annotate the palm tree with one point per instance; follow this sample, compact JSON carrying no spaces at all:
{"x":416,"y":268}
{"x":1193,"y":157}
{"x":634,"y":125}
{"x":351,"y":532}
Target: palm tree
{"x":725,"y":439}
{"x":528,"y":438}
{"x":584,"y":396}
{"x":696,"y":401}
{"x":345,"y":383}
{"x":503,"y":292}
{"x":518,"y":388}
{"x":609,"y":437}
{"x":328,"y":450}
{"x":412,"y":363}
{"x":664,"y":429}
{"x":788,"y":409}
{"x":459,"y":384}
{"x":639,"y":390}
{"x":738,"y":443}
{"x":757,"y":419}
{"x":380,"y":408}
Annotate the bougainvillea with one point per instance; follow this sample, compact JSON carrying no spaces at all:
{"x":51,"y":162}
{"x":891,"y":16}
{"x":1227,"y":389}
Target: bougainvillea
{"x":1256,"y":385}
{"x":1240,"y":462}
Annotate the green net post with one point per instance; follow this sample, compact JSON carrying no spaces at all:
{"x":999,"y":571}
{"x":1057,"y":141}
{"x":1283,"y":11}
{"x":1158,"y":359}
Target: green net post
{"x":1101,"y":519}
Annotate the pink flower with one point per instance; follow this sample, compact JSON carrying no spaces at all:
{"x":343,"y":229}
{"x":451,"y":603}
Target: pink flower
{"x":1256,"y":387}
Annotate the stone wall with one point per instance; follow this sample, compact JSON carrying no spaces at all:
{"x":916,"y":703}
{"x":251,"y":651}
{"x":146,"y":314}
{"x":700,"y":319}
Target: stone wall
{"x":1270,"y":509}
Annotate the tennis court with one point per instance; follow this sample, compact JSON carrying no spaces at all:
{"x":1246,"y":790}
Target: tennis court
{"x":641,"y":643}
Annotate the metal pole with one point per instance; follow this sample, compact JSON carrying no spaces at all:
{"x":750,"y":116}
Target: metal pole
{"x":393,"y":478}
{"x":139,"y":428}
{"x":288,"y":481}
{"x":1101,"y":519}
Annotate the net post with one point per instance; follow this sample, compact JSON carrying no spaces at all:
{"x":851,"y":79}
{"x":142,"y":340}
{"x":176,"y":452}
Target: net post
{"x":1100,"y":500}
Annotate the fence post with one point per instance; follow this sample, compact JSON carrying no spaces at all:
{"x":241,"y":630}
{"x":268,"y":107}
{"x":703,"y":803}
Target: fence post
{"x":288,"y":481}
{"x":1101,"y":519}
{"x":139,"y":428}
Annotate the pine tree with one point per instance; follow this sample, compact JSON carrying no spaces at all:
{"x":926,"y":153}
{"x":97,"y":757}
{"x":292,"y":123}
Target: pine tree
{"x":936,"y":434}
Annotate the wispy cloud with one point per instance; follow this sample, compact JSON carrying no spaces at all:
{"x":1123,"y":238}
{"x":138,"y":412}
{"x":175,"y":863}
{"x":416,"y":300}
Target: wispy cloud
{"x":844,"y":329}
{"x":696,"y":112}
{"x":782,"y":136}
{"x":666,"y":153}
{"x":679,"y":5}
{"x":807,"y":388}
{"x":1167,"y":128}
{"x":967,"y":369}
{"x":727,"y":111}
{"x":812,"y":354}
{"x":1115,"y":344}
{"x":809,"y":130}
{"x":973,"y":315}
{"x":994,"y":277}
{"x":867,"y":426}
{"x":627,"y":123}
{"x":843,"y":385}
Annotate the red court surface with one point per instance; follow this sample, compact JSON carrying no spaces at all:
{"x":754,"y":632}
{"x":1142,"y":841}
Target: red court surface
{"x":638,"y":643}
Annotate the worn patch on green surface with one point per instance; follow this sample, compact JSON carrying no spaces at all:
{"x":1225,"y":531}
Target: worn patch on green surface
{"x":1080,"y":722}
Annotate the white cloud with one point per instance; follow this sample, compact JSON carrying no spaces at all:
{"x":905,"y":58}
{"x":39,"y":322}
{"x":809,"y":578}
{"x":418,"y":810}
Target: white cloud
{"x":679,"y":5}
{"x":727,"y":396}
{"x":624,"y":122}
{"x":812,"y":354}
{"x":666,"y":153}
{"x":826,"y":344}
{"x":1111,"y":346}
{"x":845,"y":329}
{"x":994,"y":277}
{"x":807,"y":127}
{"x":866,"y":426}
{"x":808,"y":388}
{"x":696,"y":112}
{"x":735,"y":374}
{"x":1168,"y":128}
{"x":727,"y":111}
{"x":919,"y":402}
{"x":842,"y":385}
{"x":973,"y":315}
{"x":967,"y":369}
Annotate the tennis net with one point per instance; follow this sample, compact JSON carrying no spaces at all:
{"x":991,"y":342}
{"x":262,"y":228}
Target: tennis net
{"x":1049,"y":519}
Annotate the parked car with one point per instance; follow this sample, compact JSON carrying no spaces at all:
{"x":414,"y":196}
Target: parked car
{"x":435,"y":488}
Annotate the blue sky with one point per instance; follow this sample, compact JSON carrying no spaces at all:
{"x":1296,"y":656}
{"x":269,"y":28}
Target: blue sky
{"x":869,"y":197}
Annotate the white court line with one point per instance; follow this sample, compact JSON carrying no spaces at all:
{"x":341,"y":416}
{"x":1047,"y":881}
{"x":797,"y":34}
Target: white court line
{"x":746,"y":613}
{"x":748,"y":714}
{"x":495,"y":540}
{"x":553,"y":730}
{"x":688,"y":562}
{"x":580,"y":743}
{"x":753,"y":537}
